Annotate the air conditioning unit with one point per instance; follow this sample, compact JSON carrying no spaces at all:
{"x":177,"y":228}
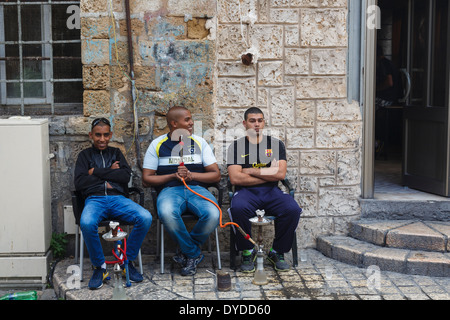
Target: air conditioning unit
{"x":25,"y":201}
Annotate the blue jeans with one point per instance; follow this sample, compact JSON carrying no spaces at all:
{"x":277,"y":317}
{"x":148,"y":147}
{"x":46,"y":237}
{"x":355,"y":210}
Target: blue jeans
{"x":173,"y":201}
{"x":98,"y":208}
{"x":275,"y":203}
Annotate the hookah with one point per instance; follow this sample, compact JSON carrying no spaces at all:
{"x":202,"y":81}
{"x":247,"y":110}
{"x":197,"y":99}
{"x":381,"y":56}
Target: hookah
{"x":116,"y":235}
{"x":260,"y":275}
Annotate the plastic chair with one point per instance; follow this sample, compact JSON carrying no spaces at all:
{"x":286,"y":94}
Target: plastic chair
{"x":186,"y":216}
{"x":78,"y":205}
{"x":233,"y":249}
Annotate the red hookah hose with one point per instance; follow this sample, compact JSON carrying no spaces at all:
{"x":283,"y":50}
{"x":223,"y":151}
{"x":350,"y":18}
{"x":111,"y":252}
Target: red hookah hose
{"x":123,"y":251}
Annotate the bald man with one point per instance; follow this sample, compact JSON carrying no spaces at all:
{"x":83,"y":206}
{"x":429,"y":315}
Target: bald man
{"x":166,"y":162}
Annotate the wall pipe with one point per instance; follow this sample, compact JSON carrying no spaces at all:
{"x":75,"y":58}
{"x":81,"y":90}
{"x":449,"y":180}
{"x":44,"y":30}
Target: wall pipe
{"x":133,"y":84}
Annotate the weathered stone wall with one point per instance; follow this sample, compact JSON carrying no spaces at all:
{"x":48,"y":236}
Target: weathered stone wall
{"x":189,"y":53}
{"x":299,"y":81}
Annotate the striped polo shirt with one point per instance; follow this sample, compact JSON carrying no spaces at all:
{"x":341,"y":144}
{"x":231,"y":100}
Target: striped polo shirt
{"x":164,"y":156}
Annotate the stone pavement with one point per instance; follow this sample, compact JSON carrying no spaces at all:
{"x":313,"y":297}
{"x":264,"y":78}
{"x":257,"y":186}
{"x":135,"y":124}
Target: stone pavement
{"x":315,"y":278}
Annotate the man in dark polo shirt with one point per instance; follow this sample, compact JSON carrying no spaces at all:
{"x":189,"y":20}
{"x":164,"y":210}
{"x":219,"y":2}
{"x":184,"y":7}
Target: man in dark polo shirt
{"x":256,"y":163}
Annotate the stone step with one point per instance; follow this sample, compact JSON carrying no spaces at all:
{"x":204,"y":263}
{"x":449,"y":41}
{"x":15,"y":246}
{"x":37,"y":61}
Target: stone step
{"x":363,"y":254}
{"x":403,"y":234}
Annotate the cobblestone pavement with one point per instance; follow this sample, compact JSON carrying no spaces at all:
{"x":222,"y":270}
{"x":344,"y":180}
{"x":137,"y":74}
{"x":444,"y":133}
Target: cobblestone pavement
{"x":315,"y":278}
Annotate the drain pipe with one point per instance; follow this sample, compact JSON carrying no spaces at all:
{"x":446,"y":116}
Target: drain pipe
{"x":133,"y":84}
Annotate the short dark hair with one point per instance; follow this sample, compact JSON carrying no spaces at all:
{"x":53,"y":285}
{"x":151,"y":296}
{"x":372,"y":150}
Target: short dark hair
{"x":100,"y":121}
{"x":252,"y":110}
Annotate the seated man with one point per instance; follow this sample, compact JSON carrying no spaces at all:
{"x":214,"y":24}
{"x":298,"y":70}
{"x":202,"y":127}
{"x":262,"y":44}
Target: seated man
{"x":102,"y":175}
{"x":256,"y":163}
{"x":163,"y":171}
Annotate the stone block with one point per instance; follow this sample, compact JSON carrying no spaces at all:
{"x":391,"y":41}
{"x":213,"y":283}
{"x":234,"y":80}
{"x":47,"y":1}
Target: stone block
{"x":339,"y":201}
{"x":198,"y":8}
{"x":323,"y":27}
{"x":95,"y":51}
{"x":338,"y":110}
{"x":320,"y":87}
{"x":96,"y":77}
{"x":230,"y":45}
{"x":387,"y":259}
{"x":196,"y":28}
{"x":291,"y":36}
{"x":433,"y":264}
{"x":300,"y":138}
{"x":147,"y":77}
{"x":270,"y":73}
{"x":93,"y":6}
{"x":95,"y":28}
{"x":137,"y":27}
{"x":145,"y":6}
{"x":317,"y":162}
{"x":282,"y":107}
{"x":417,"y":236}
{"x":297,"y":61}
{"x":235,"y":92}
{"x":284,"y":15}
{"x":268,"y":40}
{"x":338,"y":135}
{"x":96,"y":103}
{"x":305,"y":111}
{"x":328,"y":61}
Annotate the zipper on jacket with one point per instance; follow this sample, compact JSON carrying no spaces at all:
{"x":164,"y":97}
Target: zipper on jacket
{"x":104,"y":166}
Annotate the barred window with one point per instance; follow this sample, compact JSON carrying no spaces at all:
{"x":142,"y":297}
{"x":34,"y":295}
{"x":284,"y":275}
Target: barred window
{"x":40,"y":58}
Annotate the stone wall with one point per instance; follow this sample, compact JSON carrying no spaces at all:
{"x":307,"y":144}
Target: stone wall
{"x":189,"y":53}
{"x":299,"y":81}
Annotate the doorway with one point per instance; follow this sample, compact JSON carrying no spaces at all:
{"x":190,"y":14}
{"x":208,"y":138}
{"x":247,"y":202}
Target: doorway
{"x":411,"y":129}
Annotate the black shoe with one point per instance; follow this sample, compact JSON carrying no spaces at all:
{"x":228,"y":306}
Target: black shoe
{"x":191,"y":266}
{"x":248,"y":262}
{"x":180,"y":258}
{"x":97,"y":278}
{"x":277,"y":259}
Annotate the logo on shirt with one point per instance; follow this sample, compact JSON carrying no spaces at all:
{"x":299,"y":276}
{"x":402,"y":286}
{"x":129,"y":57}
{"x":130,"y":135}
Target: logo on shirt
{"x":244,"y":155}
{"x":269,"y":153}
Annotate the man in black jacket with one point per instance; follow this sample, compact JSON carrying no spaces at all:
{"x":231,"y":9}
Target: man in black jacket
{"x":102,"y":175}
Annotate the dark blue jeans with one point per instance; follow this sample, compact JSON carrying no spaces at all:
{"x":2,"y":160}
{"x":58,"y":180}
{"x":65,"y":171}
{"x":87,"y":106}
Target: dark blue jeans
{"x":173,"y":201}
{"x":275,"y":203}
{"x":98,"y":208}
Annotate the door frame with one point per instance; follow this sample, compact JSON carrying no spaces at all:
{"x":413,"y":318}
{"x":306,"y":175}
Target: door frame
{"x":369,"y":41}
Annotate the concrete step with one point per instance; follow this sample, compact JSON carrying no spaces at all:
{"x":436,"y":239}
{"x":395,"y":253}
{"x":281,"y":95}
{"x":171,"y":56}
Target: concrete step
{"x":403,"y":234}
{"x":364,"y":254}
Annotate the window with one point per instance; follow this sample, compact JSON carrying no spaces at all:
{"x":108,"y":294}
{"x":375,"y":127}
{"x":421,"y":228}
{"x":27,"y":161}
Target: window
{"x":40,"y":59}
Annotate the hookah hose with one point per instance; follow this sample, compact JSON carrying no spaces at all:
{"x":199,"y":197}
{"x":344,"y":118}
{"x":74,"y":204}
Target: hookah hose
{"x":123,"y":251}
{"x":123,"y":260}
{"x":246,"y":235}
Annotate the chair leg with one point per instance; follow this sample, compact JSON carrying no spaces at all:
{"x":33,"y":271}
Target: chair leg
{"x":140,"y":262}
{"x":162,"y":248}
{"x":219,"y":262}
{"x":232,"y":249}
{"x":77,"y":235}
{"x":81,"y":255}
{"x":295,"y":251}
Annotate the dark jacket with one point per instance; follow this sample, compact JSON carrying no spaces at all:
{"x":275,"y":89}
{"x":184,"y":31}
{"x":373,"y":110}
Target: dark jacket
{"x":101,"y":161}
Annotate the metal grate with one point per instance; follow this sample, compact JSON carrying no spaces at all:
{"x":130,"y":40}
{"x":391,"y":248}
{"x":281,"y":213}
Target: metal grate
{"x":34,"y":63}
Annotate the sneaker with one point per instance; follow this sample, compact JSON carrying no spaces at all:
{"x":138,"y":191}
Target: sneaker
{"x":180,"y":258}
{"x":191,"y":266}
{"x":277,"y":259}
{"x":97,"y":278}
{"x":135,"y":276}
{"x":248,"y":262}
